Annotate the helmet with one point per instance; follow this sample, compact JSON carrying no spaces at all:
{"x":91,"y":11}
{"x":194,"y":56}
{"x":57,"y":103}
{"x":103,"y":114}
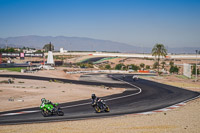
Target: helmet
{"x":43,"y":99}
{"x":93,"y":96}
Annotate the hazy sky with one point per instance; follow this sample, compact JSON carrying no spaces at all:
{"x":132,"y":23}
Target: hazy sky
{"x":136,"y":22}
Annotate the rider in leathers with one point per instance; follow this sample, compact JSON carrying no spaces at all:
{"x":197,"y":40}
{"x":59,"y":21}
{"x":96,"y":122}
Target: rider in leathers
{"x":96,"y":100}
{"x":45,"y":101}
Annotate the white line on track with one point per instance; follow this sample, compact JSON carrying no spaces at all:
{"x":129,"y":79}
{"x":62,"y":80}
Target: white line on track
{"x":18,"y":113}
{"x":140,"y":90}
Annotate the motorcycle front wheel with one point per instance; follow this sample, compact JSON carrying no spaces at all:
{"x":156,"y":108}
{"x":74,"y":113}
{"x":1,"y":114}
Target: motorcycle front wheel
{"x":45,"y":113}
{"x":60,"y":113}
{"x":107,"y":109}
{"x":97,"y":109}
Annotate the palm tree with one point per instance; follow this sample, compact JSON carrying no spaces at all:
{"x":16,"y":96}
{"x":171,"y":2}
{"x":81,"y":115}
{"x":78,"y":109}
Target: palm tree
{"x":158,"y":51}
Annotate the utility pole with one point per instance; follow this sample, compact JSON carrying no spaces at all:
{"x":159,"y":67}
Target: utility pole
{"x":196,"y":65}
{"x":143,"y":50}
{"x":6,"y":44}
{"x":62,"y":58}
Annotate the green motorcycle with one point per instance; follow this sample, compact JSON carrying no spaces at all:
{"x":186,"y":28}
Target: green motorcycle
{"x":49,"y":109}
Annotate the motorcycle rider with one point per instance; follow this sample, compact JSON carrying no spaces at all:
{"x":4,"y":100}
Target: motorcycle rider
{"x":96,"y":100}
{"x":45,"y":101}
{"x":93,"y":99}
{"x":135,"y":77}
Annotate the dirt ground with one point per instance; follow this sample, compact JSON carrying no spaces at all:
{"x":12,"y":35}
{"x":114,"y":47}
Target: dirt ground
{"x":185,"y":119}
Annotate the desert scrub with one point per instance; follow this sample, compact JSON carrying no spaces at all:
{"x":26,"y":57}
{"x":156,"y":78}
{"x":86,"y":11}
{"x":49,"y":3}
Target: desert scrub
{"x":20,"y":82}
{"x":6,"y":82}
{"x":56,"y":81}
{"x":103,"y":86}
{"x":107,"y":88}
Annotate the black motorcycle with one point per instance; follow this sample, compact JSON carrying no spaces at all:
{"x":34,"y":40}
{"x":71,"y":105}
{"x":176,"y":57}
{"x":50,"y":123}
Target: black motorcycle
{"x":100,"y":106}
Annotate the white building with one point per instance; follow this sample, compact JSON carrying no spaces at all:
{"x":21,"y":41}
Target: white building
{"x":62,"y":50}
{"x":29,"y":51}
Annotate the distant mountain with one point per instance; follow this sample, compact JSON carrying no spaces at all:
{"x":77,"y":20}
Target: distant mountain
{"x":183,"y":50}
{"x":68,"y":43}
{"x":81,"y":44}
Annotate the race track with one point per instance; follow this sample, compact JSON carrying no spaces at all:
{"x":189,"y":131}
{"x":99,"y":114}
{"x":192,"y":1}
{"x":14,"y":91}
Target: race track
{"x":140,"y":96}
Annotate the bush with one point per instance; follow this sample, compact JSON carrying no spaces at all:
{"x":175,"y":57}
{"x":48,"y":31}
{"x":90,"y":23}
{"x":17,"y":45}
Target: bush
{"x":135,"y":67}
{"x":89,"y":65}
{"x":174,"y":69}
{"x":148,"y":67}
{"x":159,"y":73}
{"x":155,"y":65}
{"x":90,"y":62}
{"x":119,"y":66}
{"x":85,"y":65}
{"x":194,"y":70}
{"x":7,"y":50}
{"x":171,"y":63}
{"x":107,"y":66}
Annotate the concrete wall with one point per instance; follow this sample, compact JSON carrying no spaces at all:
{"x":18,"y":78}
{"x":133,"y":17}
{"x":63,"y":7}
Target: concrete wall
{"x":127,"y":55}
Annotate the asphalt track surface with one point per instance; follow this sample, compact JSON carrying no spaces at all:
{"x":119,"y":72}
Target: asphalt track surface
{"x":93,"y":59}
{"x":140,"y":96}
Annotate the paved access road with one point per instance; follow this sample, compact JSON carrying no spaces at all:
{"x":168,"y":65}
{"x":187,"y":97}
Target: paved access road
{"x":92,"y":59}
{"x":140,"y":96}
